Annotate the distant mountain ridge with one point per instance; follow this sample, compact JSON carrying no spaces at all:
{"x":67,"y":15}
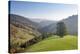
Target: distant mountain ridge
{"x":49,"y":26}
{"x":42,"y":23}
{"x":71,"y":24}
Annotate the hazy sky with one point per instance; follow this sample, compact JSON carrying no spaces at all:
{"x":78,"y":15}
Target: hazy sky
{"x":49,"y":11}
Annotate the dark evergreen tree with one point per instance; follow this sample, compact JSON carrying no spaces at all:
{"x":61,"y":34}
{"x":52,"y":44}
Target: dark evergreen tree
{"x":61,"y":29}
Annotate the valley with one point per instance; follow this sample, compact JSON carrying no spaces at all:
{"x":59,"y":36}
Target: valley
{"x":28,"y":35}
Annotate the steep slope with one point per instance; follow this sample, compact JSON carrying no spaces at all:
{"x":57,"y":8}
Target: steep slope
{"x":21,"y":30}
{"x":72,"y":24}
{"x":20,"y":19}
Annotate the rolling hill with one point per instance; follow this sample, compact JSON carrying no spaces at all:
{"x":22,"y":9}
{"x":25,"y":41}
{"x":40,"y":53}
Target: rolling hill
{"x":21,"y":30}
{"x":54,"y":43}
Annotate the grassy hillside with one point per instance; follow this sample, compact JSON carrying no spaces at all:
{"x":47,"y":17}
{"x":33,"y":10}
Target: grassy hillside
{"x":55,"y":43}
{"x":25,"y":37}
{"x":18,"y":36}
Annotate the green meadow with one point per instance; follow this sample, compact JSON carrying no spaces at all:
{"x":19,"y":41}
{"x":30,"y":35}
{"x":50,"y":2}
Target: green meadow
{"x":54,"y":43}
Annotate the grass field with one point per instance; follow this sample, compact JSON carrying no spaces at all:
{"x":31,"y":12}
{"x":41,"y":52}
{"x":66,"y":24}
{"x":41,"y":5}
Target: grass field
{"x":54,"y":43}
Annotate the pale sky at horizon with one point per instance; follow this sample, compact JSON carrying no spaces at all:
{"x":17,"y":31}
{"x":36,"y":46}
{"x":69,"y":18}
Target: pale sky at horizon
{"x":49,"y":11}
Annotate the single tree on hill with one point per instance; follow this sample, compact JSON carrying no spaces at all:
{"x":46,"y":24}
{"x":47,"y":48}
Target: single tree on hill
{"x":61,"y":29}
